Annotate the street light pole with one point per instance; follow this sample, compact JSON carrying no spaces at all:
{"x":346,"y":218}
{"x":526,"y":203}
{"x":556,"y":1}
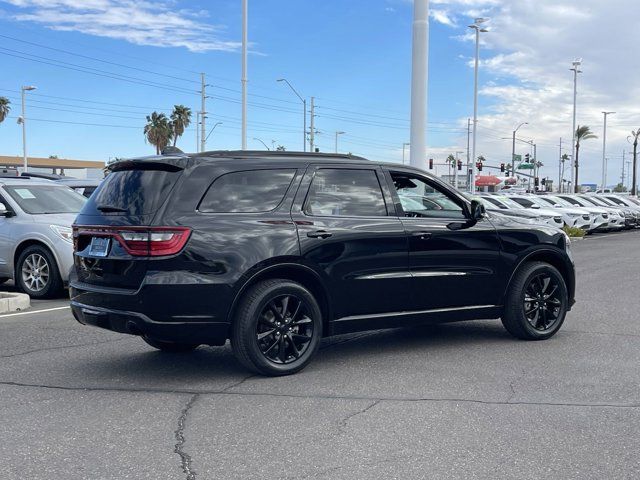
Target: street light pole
{"x":304,"y":113}
{"x":265,"y":145}
{"x":24,"y":127}
{"x":245,"y":13}
{"x":419,"y":76}
{"x":513,"y":148}
{"x":476,"y":26}
{"x":604,"y":150}
{"x":406,"y":144}
{"x":576,"y":70}
{"x":338,"y":133}
{"x":211,"y":131}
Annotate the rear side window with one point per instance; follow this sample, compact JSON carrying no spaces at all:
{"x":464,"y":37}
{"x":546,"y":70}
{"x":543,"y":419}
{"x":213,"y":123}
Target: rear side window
{"x":132,"y":192}
{"x":344,"y":192}
{"x":250,"y":191}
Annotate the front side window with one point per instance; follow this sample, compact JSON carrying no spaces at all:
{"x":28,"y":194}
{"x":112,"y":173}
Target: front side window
{"x":44,"y":199}
{"x":341,"y":192}
{"x":421,"y":199}
{"x":249,"y":191}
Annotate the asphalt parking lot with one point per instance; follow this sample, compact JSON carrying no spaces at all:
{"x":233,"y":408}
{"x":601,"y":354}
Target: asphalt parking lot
{"x":456,"y":401}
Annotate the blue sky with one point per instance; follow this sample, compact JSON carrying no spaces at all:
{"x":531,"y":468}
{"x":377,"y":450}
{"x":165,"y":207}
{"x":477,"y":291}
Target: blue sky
{"x":353,"y":56}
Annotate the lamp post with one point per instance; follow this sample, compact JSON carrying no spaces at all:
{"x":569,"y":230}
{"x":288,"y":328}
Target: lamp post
{"x":513,"y":147}
{"x":304,"y":113}
{"x":211,"y":131}
{"x":338,"y":133}
{"x":405,"y":144}
{"x":419,"y":76}
{"x":604,"y":150}
{"x":576,"y":70}
{"x":24,"y":126}
{"x":478,"y":28}
{"x":265,"y":145}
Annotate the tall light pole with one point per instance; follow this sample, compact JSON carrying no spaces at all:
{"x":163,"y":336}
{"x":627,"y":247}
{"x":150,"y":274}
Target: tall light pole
{"x":245,"y":25}
{"x":338,"y":133}
{"x":405,"y":144}
{"x":211,"y":131}
{"x":576,"y":70}
{"x":265,"y":145}
{"x":513,"y":148}
{"x":419,"y":76}
{"x":604,"y":150}
{"x":24,"y":126}
{"x":477,"y":27}
{"x":304,"y":113}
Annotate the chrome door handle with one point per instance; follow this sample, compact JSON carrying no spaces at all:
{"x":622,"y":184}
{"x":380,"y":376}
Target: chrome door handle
{"x":422,"y":235}
{"x":319,"y":234}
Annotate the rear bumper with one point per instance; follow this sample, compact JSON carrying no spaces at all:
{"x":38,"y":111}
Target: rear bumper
{"x":135,"y":323}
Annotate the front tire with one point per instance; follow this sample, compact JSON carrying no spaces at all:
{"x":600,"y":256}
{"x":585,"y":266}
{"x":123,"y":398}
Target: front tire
{"x":536,"y":303}
{"x":277,"y":328}
{"x":37,"y":273}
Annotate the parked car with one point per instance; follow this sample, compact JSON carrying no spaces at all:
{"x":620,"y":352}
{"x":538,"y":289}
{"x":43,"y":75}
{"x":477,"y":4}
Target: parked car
{"x":626,"y":202}
{"x":628,"y":213}
{"x":572,"y":216}
{"x":506,"y":206}
{"x":275,"y":250}
{"x":616,"y":216}
{"x":35,"y":234}
{"x":84,"y":187}
{"x":599,"y":216}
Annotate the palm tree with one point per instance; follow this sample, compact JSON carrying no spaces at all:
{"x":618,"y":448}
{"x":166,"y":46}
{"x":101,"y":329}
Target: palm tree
{"x":582,"y":133}
{"x":4,"y":108}
{"x":451,"y":161}
{"x":563,"y":159}
{"x":158,"y":131}
{"x":180,"y":120}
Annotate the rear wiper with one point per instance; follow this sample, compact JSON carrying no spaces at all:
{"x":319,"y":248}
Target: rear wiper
{"x":111,"y":208}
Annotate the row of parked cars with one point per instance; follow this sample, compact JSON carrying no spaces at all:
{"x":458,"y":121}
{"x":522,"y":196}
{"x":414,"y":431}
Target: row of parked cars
{"x":588,"y":212}
{"x":36,"y":240}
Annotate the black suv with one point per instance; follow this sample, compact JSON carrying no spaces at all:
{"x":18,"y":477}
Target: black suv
{"x":275,"y":250}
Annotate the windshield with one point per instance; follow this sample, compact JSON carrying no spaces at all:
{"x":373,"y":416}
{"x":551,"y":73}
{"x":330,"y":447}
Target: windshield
{"x":560,"y":201}
{"x":508,"y":202}
{"x":45,"y":199}
{"x":493,"y":203}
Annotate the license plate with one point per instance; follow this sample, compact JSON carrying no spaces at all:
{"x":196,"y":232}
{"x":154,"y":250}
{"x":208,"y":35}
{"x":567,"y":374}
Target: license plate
{"x":99,"y":246}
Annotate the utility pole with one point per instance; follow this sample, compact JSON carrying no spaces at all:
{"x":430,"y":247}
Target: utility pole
{"x":576,"y":70}
{"x":243,"y":80}
{"x":197,"y":132}
{"x":622,"y":179}
{"x":419,"y":76}
{"x":604,"y":150}
{"x":476,"y":26}
{"x":405,"y":144}
{"x":468,"y":153}
{"x":560,"y":168}
{"x":313,"y":127}
{"x":203,"y":113}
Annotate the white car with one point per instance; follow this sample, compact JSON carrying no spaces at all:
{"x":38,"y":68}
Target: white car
{"x":616,"y":216}
{"x":599,"y":216}
{"x":572,"y":216}
{"x":506,"y":206}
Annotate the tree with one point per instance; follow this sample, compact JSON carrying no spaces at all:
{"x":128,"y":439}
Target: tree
{"x":451,"y":161}
{"x":634,"y":185}
{"x":619,"y":188}
{"x":180,"y":120}
{"x":4,"y":108}
{"x":281,"y":148}
{"x":158,"y":131}
{"x":563,"y":159}
{"x":582,"y":133}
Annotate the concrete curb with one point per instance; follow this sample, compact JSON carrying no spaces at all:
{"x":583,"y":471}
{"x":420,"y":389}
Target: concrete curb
{"x":13,"y":302}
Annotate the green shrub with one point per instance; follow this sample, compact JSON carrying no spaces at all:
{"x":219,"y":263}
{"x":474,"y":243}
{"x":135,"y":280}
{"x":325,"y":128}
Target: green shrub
{"x":573,"y":231}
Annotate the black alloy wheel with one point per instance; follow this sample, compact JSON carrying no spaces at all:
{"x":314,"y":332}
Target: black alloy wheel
{"x":537,"y":302}
{"x":277,"y":327}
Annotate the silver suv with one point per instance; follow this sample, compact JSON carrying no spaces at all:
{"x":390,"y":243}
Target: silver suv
{"x":36,"y":241}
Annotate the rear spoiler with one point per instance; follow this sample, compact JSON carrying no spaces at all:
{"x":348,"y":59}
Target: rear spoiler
{"x":167,"y":164}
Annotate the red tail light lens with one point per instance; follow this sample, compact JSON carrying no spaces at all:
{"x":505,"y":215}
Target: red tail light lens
{"x":140,"y":241}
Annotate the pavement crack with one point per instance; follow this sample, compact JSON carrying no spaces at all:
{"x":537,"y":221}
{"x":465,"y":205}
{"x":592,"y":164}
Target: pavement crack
{"x":343,"y":423}
{"x":237,"y":384}
{"x":185,"y":458}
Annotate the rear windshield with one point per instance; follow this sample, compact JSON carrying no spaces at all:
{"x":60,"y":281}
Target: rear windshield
{"x":44,"y":199}
{"x":132,"y":192}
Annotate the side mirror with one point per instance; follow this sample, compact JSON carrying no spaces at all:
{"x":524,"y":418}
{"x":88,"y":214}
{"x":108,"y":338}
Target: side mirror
{"x":3,"y":211}
{"x":477,"y":210}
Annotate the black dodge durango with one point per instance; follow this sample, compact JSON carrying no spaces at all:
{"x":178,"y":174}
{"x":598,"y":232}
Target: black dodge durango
{"x":275,"y":250}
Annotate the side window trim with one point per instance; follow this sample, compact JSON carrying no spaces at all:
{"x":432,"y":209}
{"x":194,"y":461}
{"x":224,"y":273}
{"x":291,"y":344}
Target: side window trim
{"x":313,"y":170}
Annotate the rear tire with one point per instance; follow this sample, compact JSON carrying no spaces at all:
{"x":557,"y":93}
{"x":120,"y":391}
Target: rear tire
{"x":277,"y":328}
{"x":170,"y":347}
{"x":36,"y":273}
{"x":536,"y":303}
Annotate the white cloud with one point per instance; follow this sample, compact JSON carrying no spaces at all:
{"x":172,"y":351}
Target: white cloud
{"x":141,"y":22}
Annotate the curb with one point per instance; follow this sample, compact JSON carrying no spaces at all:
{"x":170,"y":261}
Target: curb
{"x":13,"y":302}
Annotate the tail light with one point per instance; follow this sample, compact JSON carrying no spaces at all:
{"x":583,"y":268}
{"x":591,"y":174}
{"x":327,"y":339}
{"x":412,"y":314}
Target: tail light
{"x":138,"y":241}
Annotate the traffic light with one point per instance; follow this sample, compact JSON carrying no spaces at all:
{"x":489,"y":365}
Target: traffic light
{"x":502,"y":167}
{"x":479,"y":166}
{"x":431,"y":164}
{"x":459,"y":164}
{"x":527,"y":158}
{"x":536,"y":181}
{"x":544,"y":181}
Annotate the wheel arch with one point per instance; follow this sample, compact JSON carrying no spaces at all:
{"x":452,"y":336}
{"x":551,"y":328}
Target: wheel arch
{"x":24,"y":244}
{"x":298,"y":273}
{"x":553,"y":257}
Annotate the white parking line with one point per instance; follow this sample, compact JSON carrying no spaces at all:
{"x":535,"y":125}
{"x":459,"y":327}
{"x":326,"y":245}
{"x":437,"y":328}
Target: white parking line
{"x":31,"y":312}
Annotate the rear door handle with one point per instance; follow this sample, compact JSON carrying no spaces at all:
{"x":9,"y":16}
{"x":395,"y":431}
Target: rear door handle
{"x":422,"y":235}
{"x":319,"y":234}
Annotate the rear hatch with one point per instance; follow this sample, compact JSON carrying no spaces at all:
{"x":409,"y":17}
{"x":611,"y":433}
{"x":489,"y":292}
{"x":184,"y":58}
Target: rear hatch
{"x":115,"y":236}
